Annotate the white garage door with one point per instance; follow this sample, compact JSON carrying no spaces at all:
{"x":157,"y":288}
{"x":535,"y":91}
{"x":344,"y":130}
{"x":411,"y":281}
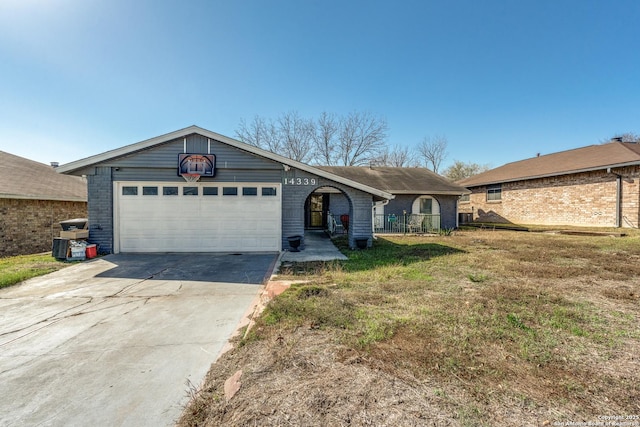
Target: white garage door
{"x":197,"y":217}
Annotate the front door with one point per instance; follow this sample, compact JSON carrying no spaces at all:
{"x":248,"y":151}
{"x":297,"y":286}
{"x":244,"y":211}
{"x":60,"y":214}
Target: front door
{"x":317,"y":206}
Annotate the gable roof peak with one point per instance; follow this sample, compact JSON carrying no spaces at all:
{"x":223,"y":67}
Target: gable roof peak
{"x":75,"y":167}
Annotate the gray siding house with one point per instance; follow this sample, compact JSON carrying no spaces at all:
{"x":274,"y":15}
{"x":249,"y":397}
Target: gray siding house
{"x":251,"y":200}
{"x":142,"y":198}
{"x":423,"y":200}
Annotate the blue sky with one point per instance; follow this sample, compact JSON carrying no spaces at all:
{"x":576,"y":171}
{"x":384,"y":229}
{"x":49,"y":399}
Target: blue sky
{"x":502,"y":80}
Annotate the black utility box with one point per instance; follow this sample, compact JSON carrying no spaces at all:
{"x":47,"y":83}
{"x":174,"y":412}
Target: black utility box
{"x":60,"y":248}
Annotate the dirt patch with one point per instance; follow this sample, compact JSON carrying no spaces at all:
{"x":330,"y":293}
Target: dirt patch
{"x":305,"y":379}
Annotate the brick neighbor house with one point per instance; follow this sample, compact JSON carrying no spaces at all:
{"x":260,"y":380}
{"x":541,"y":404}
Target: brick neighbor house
{"x":597,"y":186}
{"x":34,"y":198}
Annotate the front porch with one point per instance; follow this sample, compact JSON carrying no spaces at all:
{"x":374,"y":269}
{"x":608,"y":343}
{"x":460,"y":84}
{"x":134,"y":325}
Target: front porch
{"x":316,"y":246}
{"x":389,"y":224}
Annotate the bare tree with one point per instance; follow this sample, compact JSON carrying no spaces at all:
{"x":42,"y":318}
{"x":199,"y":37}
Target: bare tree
{"x":325,"y":137}
{"x":261,"y":133}
{"x":350,"y":141}
{"x":397,"y":156}
{"x":290,"y":135}
{"x":296,"y":136}
{"x":433,"y":151}
{"x":361,"y":139}
{"x":461,"y":170}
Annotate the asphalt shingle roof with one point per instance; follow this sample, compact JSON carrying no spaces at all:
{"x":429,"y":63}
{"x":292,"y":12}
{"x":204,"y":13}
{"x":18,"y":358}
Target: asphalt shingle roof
{"x":398,"y":180}
{"x":592,"y":157}
{"x":22,"y":178}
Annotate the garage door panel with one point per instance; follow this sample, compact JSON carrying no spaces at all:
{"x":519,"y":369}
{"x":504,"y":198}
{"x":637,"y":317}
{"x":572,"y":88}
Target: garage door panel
{"x":199,"y":223}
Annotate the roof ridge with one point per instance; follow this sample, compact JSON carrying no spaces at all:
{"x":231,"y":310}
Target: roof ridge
{"x":627,"y":146}
{"x":552,"y":154}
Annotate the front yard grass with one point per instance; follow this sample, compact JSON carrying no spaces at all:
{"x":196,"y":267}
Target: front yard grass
{"x":16,"y":269}
{"x":496,"y":327}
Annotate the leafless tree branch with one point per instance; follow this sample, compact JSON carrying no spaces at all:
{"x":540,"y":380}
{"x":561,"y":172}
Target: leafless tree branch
{"x":433,"y":151}
{"x":362,"y":137}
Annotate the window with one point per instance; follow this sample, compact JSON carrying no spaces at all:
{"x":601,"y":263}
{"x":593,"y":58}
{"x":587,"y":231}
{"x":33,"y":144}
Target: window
{"x":465,"y":198}
{"x":426,"y":206}
{"x":209,"y":191}
{"x":129,"y":191}
{"x":189,"y":191}
{"x":229,"y":191}
{"x":268,"y":191}
{"x":494,"y":192}
{"x":249,"y":191}
{"x":149,"y":191}
{"x":169,"y":191}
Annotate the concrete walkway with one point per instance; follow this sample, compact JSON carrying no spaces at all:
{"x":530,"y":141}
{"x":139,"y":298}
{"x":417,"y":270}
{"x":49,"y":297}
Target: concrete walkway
{"x":317,"y":247}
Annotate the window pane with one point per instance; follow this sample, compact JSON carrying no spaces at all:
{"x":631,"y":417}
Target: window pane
{"x":170,"y":191}
{"x":249,"y":191}
{"x":494,"y":192}
{"x":229,"y":191}
{"x":210,"y":191}
{"x":189,"y":191}
{"x":129,"y":191}
{"x":268,"y":191}
{"x":149,"y":191}
{"x":426,"y":206}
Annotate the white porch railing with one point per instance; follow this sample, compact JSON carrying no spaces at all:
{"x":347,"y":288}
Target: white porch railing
{"x":406,"y":223}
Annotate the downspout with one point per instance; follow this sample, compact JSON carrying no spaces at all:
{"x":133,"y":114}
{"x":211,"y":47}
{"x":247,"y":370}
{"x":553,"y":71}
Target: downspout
{"x":618,"y":197}
{"x":373,"y":217}
{"x":457,"y":214}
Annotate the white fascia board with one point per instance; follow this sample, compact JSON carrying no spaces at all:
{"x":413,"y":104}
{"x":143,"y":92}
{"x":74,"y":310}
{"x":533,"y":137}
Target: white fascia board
{"x":128,"y":149}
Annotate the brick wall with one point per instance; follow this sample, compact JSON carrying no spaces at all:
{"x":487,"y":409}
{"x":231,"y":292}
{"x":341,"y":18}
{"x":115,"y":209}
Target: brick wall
{"x":583,"y":199}
{"x":630,"y":197}
{"x":29,"y":226}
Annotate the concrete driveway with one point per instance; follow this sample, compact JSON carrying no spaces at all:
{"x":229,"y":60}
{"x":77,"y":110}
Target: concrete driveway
{"x":117,"y":340}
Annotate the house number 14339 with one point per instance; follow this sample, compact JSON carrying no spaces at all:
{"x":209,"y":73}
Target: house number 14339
{"x":300,"y":181}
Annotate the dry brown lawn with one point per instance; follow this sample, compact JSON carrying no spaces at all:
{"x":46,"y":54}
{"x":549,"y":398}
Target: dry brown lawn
{"x":477,"y":328}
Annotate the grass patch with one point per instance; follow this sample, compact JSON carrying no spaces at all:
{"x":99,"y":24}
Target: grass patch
{"x":426,"y":304}
{"x":539,"y":326}
{"x":17,"y":269}
{"x":309,"y":304}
